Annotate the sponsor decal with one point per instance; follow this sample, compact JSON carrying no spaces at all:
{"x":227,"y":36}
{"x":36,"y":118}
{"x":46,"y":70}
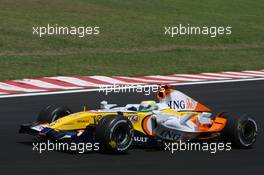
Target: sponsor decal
{"x":140,"y":139}
{"x":190,"y":103}
{"x":133,"y":118}
{"x":177,"y":104}
{"x":82,"y":121}
{"x":169,"y":134}
{"x":97,"y":118}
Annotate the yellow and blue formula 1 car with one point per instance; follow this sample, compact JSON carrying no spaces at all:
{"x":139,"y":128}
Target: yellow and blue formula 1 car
{"x":176,"y":117}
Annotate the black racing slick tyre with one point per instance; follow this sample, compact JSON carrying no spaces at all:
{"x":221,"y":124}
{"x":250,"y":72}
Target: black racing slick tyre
{"x":52,"y":113}
{"x":115,"y":134}
{"x":240,"y":130}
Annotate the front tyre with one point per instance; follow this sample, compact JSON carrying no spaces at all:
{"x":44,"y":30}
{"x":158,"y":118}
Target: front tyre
{"x":240,"y":130}
{"x":115,"y":134}
{"x":51,"y":113}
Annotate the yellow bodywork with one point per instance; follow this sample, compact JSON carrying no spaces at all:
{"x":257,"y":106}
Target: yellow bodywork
{"x":81,"y":120}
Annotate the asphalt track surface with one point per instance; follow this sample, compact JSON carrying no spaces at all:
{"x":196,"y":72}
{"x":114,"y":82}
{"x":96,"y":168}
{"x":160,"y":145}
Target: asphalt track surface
{"x":17,"y":156}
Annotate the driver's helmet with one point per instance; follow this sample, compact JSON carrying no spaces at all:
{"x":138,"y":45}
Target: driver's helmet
{"x":146,"y":106}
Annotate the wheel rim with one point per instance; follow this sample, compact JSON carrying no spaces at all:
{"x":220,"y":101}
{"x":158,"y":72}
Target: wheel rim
{"x":248,"y":132}
{"x":121,"y":135}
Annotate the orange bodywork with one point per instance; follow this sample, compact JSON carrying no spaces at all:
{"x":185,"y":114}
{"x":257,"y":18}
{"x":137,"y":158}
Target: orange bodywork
{"x":201,"y":107}
{"x":217,"y":124}
{"x":162,"y":93}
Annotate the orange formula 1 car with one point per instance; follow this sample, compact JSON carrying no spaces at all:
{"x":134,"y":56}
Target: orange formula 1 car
{"x":176,"y":117}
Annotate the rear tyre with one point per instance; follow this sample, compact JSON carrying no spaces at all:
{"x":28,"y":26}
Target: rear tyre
{"x":52,"y":113}
{"x":240,"y":130}
{"x":114,"y":133}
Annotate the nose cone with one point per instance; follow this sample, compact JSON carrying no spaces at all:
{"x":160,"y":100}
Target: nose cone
{"x":71,"y":122}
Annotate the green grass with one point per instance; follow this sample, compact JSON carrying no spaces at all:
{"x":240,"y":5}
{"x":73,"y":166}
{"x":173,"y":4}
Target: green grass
{"x":132,"y":40}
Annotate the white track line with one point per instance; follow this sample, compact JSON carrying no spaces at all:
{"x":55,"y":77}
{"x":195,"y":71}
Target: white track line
{"x":93,"y":90}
